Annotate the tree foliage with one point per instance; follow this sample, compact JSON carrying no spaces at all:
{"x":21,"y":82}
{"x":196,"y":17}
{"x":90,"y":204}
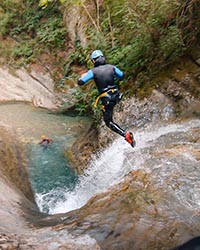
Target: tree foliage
{"x":140,"y":37}
{"x":30,"y":30}
{"x":140,"y":34}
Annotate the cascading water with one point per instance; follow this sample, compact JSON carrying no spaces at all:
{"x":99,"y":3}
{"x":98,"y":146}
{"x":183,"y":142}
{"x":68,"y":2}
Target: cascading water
{"x":50,"y":172}
{"x":48,"y":168}
{"x":169,"y":153}
{"x":111,"y":165}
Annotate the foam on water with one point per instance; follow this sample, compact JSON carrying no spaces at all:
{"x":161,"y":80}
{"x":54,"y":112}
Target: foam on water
{"x":109,"y":168}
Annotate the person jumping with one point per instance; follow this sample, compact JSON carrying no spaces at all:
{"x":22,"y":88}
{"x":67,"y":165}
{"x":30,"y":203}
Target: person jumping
{"x":104,"y":76}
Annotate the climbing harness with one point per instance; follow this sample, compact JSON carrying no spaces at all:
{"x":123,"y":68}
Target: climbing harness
{"x":104,"y":94}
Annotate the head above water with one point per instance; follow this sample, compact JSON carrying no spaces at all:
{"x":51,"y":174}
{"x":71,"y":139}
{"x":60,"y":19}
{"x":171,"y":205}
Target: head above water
{"x":43,"y":137}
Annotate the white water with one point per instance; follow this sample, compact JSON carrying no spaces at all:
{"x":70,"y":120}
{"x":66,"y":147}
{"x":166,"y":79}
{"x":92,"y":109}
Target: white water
{"x":110,"y":167}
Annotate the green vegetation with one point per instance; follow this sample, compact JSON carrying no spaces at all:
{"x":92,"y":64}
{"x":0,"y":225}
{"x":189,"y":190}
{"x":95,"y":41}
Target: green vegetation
{"x":31,"y":35}
{"x":141,"y":37}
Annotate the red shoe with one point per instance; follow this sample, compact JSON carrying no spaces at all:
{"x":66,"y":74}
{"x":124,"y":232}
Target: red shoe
{"x":130,"y":139}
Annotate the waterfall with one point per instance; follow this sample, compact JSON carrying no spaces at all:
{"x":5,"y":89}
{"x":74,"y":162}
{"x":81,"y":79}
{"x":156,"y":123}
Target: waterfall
{"x":110,"y":166}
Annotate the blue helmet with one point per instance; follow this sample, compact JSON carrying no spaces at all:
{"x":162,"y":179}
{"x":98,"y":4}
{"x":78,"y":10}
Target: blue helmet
{"x":96,"y":53}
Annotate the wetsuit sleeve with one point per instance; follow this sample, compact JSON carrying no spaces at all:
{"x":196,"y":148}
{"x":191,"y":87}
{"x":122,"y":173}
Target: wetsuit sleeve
{"x":88,"y":76}
{"x":118,"y":72}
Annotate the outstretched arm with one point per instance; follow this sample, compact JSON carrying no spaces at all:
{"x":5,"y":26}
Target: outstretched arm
{"x":85,"y":77}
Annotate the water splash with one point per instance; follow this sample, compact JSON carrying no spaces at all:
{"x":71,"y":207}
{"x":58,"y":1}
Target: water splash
{"x":111,"y":165}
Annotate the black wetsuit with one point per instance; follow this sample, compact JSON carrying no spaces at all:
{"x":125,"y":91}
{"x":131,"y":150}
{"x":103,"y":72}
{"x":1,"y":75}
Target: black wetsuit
{"x":104,"y":77}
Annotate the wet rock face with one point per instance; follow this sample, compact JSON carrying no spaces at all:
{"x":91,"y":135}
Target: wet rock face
{"x":176,"y":95}
{"x":83,"y":150}
{"x":22,"y":226}
{"x":13,"y":241}
{"x":142,"y":212}
{"x":139,"y":213}
{"x":35,"y":87}
{"x":152,"y":209}
{"x":148,"y":211}
{"x":13,"y":163}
